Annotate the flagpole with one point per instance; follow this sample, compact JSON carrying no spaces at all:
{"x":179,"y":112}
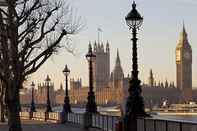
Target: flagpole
{"x":98,"y":35}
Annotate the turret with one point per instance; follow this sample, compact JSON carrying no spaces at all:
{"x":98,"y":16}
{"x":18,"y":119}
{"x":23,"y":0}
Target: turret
{"x":102,"y":47}
{"x":151,"y":79}
{"x":95,"y":46}
{"x":117,"y":59}
{"x":107,"y":47}
{"x":118,"y":72}
{"x":89,"y":45}
{"x":162,"y":86}
{"x":166,"y":84}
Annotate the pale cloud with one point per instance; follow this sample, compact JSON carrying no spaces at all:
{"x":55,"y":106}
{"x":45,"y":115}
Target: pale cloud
{"x":191,"y":2}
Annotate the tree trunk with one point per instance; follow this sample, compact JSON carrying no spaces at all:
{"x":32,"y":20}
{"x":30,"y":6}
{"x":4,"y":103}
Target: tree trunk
{"x":12,"y":101}
{"x":13,"y":117}
{"x":2,"y":104}
{"x":2,"y":111}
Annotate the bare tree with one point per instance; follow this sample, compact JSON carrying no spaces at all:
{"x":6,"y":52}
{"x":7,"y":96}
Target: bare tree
{"x":2,"y":103}
{"x":24,"y":27}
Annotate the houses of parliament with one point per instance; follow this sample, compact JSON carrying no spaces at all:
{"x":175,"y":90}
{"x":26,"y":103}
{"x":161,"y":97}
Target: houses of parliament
{"x":112,"y":87}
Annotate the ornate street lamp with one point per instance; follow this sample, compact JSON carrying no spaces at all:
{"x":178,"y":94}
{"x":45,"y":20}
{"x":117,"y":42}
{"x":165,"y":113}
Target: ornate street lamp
{"x":91,"y":106}
{"x":33,"y":108}
{"x":135,"y":103}
{"x":66,"y":107}
{"x":48,"y":108}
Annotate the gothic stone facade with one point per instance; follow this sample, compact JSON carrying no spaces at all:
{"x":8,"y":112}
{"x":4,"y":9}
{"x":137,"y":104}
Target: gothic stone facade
{"x":101,"y":67}
{"x":184,"y":66}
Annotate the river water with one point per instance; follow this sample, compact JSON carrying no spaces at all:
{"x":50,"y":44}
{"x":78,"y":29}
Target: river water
{"x":192,"y":118}
{"x":113,"y":111}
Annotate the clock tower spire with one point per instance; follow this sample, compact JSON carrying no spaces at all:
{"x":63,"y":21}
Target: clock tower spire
{"x":184,"y":66}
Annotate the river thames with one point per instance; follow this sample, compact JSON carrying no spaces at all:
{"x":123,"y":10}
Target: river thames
{"x":113,"y":111}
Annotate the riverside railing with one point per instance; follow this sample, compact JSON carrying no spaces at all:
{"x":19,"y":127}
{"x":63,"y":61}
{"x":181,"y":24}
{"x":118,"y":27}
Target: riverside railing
{"x":104,"y":122}
{"x":75,"y":118}
{"x":108,"y":123}
{"x":154,"y":124}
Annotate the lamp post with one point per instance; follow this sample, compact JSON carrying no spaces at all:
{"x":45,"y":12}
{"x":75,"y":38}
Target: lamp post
{"x":135,"y":104}
{"x":91,"y":106}
{"x":48,"y":108}
{"x":66,"y":107}
{"x":33,"y":108}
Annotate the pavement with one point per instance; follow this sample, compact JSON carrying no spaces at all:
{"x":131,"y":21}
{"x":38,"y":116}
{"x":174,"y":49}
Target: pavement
{"x":28,"y":125}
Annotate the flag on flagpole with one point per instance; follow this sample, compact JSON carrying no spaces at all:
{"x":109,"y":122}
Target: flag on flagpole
{"x":100,"y":30}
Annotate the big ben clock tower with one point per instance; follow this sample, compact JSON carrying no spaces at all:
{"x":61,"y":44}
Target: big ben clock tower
{"x":184,"y":66}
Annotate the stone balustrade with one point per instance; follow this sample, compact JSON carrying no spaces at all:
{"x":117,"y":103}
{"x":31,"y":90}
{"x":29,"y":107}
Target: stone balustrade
{"x":108,"y":123}
{"x":154,"y":124}
{"x":24,"y":115}
{"x":104,"y":122}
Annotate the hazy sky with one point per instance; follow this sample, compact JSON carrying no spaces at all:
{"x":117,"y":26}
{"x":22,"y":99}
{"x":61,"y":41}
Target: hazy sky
{"x":158,"y":38}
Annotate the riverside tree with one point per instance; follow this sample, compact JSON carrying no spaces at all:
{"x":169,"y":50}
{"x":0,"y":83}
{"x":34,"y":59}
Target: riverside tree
{"x":2,"y":102}
{"x":24,"y":27}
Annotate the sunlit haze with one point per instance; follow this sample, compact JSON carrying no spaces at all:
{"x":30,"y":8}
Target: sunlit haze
{"x":158,"y":37}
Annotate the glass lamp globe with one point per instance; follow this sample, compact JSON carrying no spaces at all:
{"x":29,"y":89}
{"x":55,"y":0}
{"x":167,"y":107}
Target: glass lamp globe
{"x":134,"y":19}
{"x":90,"y":56}
{"x":66,"y":71}
{"x":32,"y":84}
{"x":47,"y":79}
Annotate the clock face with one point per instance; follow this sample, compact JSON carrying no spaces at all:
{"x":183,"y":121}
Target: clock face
{"x":187,"y":55}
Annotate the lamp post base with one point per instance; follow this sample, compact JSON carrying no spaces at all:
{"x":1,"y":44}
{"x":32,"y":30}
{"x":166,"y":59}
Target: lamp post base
{"x":87,"y":122}
{"x":49,"y":109}
{"x":33,"y":108}
{"x":67,"y":106}
{"x":134,"y":106}
{"x":91,"y":106}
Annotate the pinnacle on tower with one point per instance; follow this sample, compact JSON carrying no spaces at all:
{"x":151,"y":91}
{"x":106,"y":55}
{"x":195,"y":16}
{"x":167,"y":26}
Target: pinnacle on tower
{"x":183,"y":36}
{"x":107,"y":47}
{"x":118,"y":71}
{"x":166,"y":84}
{"x":117,"y":58}
{"x":95,"y":46}
{"x":89,"y":45}
{"x":151,"y":78}
{"x":151,"y":73}
{"x":184,"y":27}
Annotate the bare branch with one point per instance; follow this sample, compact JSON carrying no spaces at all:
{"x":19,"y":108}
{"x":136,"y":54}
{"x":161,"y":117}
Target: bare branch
{"x":46,"y":54}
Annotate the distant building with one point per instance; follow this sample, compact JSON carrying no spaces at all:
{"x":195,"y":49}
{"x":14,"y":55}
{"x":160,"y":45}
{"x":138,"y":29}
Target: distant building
{"x":41,"y":94}
{"x":113,"y":89}
{"x":59,"y":95}
{"x":117,"y":75}
{"x":184,"y":66}
{"x":101,"y":66}
{"x":151,"y":78}
{"x":117,"y":90}
{"x":75,"y":84}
